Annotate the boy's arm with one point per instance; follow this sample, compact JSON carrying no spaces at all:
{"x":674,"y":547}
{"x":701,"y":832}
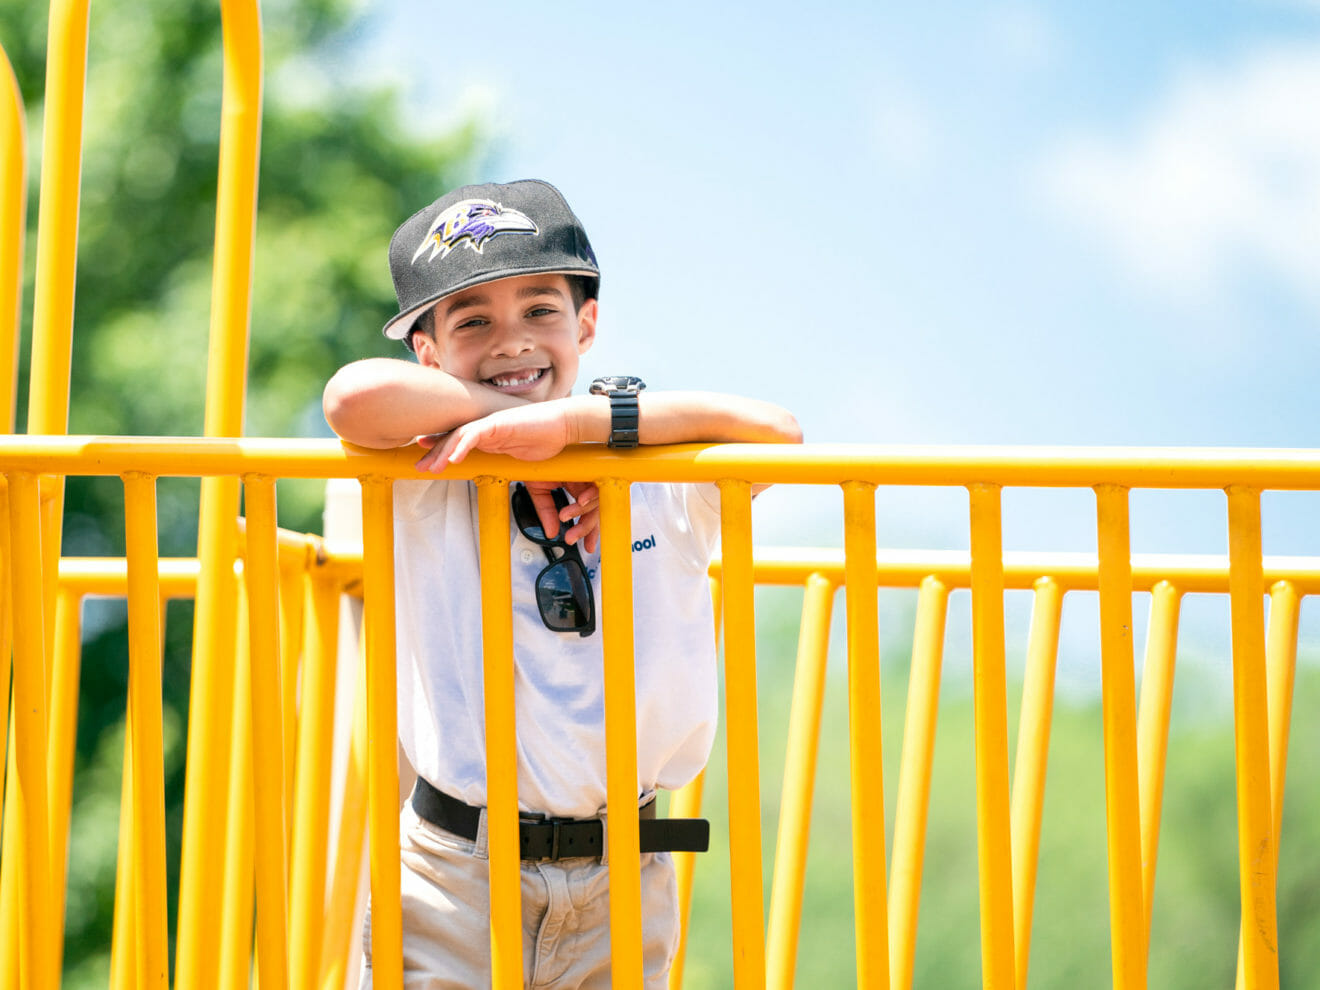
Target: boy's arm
{"x":537,"y":431}
{"x":390,"y":402}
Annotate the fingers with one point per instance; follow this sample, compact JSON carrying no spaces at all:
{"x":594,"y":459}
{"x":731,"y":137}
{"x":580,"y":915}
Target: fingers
{"x":543,"y":500}
{"x":454,"y":448}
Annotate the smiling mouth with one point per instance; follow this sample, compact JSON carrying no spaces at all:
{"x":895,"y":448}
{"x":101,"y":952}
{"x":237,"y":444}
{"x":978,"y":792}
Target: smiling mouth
{"x":517,"y":379}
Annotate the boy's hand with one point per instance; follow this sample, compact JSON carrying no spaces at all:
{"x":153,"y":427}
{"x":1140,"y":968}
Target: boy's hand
{"x":534,"y":432}
{"x":585,"y":508}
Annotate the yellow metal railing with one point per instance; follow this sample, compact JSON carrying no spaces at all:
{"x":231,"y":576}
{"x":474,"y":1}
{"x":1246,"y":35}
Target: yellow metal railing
{"x":270,"y":852}
{"x":255,"y":836}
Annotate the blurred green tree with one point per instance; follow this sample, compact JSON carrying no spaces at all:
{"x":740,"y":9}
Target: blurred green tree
{"x":341,"y":166}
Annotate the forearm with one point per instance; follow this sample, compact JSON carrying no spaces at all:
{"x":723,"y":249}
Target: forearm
{"x":387,"y":402}
{"x":683,"y":417}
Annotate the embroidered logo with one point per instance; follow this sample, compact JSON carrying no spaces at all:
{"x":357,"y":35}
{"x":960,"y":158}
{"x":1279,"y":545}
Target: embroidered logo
{"x":472,"y":222}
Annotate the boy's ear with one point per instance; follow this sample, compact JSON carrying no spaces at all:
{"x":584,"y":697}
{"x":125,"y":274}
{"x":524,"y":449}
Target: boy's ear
{"x":587,"y":325}
{"x":424,"y":347}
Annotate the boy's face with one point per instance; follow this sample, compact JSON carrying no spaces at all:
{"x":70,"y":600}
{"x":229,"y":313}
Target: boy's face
{"x":519,"y":335}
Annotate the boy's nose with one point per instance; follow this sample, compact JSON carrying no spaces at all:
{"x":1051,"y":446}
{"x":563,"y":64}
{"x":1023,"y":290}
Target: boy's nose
{"x":511,"y":342}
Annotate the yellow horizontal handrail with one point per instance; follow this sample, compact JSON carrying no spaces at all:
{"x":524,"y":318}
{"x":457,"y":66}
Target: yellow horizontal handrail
{"x":815,"y":464}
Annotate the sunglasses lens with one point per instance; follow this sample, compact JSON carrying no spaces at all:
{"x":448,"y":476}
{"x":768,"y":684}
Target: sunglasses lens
{"x":524,"y":514}
{"x":564,"y":597}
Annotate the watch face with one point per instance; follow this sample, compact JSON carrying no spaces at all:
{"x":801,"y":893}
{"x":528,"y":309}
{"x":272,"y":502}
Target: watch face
{"x":617,"y":383}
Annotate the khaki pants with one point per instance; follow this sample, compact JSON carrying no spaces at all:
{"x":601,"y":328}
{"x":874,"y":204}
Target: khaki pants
{"x":565,"y":909}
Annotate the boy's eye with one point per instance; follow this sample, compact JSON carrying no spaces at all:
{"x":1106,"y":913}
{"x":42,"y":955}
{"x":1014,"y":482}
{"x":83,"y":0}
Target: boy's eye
{"x":475,"y":321}
{"x":541,"y":311}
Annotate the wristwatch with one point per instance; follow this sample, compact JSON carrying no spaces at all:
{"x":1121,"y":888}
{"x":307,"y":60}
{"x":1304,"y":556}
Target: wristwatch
{"x":622,"y":390}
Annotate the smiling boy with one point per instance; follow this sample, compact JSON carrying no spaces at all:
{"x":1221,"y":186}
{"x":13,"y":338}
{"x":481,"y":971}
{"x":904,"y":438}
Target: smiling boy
{"x":497,"y":288}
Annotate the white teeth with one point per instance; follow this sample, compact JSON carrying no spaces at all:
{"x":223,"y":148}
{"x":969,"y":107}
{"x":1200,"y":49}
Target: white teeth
{"x":526,"y":379}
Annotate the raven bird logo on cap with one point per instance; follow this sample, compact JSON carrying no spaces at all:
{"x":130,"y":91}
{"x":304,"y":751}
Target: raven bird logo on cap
{"x":472,"y":222}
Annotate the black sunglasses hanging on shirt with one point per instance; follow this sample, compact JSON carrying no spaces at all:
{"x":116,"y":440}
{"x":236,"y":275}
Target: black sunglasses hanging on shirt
{"x":563,"y":589}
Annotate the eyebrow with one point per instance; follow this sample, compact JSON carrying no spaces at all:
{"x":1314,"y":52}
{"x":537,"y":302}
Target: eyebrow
{"x":526,"y":292}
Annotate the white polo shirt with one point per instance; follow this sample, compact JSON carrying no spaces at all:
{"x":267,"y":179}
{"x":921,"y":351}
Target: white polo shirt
{"x":558,"y":676}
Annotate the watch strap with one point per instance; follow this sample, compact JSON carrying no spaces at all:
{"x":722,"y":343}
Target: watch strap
{"x":623,"y":419}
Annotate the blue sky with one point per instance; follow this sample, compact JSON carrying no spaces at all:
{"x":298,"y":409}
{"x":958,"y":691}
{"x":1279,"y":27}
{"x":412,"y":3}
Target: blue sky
{"x":1019,"y":223}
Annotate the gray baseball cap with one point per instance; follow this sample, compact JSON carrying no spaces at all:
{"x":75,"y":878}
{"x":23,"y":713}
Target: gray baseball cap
{"x":480,"y":233}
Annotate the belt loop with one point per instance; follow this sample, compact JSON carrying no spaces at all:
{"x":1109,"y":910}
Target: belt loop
{"x":554,"y":838}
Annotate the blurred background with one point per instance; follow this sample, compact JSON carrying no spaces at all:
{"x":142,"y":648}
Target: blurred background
{"x":952,"y":223}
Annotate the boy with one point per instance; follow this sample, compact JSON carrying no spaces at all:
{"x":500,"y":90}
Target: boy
{"x":497,"y":288}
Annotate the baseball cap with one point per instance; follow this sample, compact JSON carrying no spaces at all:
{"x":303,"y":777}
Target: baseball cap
{"x":480,"y":233}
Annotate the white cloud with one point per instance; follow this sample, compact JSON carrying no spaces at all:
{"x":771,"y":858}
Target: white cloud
{"x":1220,"y":177}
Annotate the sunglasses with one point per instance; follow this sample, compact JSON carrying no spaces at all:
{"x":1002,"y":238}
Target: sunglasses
{"x":563,"y":590}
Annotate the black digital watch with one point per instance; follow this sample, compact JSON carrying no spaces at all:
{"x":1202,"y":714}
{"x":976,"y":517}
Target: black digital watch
{"x":622,"y":391}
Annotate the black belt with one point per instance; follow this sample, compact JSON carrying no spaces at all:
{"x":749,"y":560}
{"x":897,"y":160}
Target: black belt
{"x":560,"y":838}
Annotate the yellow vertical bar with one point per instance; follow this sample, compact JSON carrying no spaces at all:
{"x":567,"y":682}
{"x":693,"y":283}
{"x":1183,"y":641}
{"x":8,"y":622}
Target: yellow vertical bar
{"x":1033,"y":747}
{"x":867,"y":768}
{"x":311,"y":805}
{"x":990,"y":701}
{"x":740,"y":717}
{"x":123,"y":951}
{"x":57,"y":255}
{"x":501,"y":751}
{"x":212,"y":688}
{"x":28,"y":831}
{"x":261,"y":572}
{"x":13,"y":221}
{"x":234,"y":946}
{"x":63,"y":730}
{"x":1281,"y":670}
{"x":57,"y":225}
{"x":291,"y":633}
{"x":914,"y":774}
{"x":1157,"y":673}
{"x":686,"y":803}
{"x":144,"y":691}
{"x":1256,"y":845}
{"x":1122,"y":798}
{"x":799,"y":782}
{"x":620,"y":733}
{"x":9,"y":851}
{"x":342,"y":900}
{"x":383,"y":732}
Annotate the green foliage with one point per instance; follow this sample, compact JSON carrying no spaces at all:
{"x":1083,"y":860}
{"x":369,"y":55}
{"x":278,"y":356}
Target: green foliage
{"x":339,"y":170}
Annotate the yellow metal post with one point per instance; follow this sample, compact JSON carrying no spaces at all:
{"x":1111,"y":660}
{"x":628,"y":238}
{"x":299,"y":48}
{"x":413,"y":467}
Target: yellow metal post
{"x":867,"y":767}
{"x":234,"y":945}
{"x":212,"y":689}
{"x":620,"y":733}
{"x":63,"y":729}
{"x":914,"y":775}
{"x":799,"y":782}
{"x":1256,"y":845}
{"x":1156,"y":708}
{"x":1033,"y":745}
{"x":993,"y":810}
{"x":28,"y":829}
{"x":1118,"y":704}
{"x":740,"y":720}
{"x":348,"y":862}
{"x":686,"y":803}
{"x":261,"y":574}
{"x":148,"y":751}
{"x":1281,"y":671}
{"x":501,"y":752}
{"x":311,"y":806}
{"x":13,"y":221}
